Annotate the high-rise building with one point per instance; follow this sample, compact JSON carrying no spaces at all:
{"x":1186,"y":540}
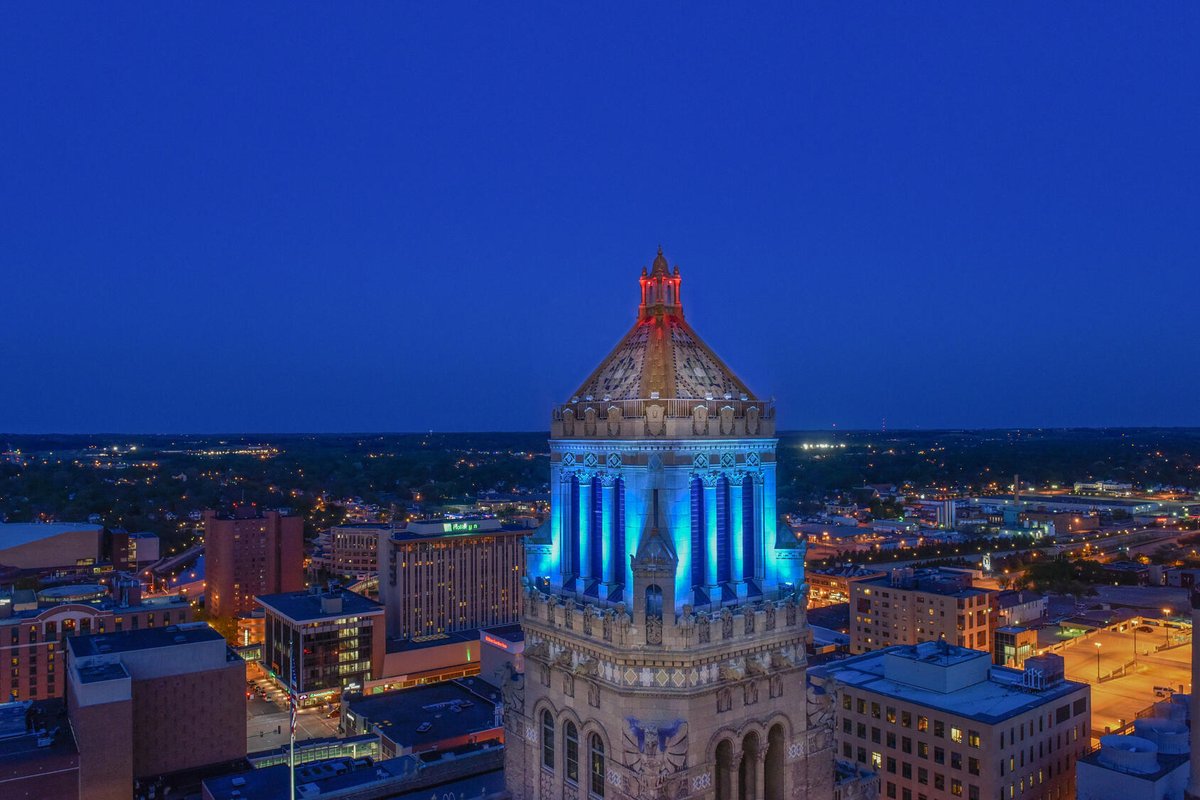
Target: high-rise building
{"x":439,"y":576}
{"x":249,"y":552}
{"x":940,"y":722}
{"x":153,"y":702}
{"x":924,"y":605}
{"x":664,"y":617}
{"x":336,"y":638}
{"x":350,"y":550}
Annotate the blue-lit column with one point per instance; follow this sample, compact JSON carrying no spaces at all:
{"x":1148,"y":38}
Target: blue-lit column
{"x":737,"y":532}
{"x":608,"y":514}
{"x":585,"y":530}
{"x":710,"y":480}
{"x":760,"y":543}
{"x":562,"y":513}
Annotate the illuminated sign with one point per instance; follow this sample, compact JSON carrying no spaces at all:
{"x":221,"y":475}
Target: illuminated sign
{"x":495,"y":642}
{"x":460,"y":527}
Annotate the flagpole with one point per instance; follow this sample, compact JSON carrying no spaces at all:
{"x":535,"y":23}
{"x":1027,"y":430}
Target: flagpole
{"x":292,"y":721}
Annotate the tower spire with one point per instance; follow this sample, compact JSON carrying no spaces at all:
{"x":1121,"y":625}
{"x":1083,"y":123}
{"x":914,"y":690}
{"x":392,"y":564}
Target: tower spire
{"x":660,"y":289}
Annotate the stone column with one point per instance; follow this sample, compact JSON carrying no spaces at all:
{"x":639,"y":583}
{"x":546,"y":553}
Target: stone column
{"x":711,"y":480}
{"x":737,"y":533}
{"x":735,"y":762}
{"x":585,"y":530}
{"x":608,"y":514}
{"x":760,"y":771}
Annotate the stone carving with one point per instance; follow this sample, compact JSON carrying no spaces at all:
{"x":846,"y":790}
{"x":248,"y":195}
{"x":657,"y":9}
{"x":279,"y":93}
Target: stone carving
{"x":820,"y":708}
{"x":770,"y":619}
{"x":700,"y":420}
{"x":568,"y":421}
{"x":750,"y":692}
{"x":614,"y":420}
{"x":588,"y":667}
{"x":588,"y":615}
{"x":776,"y":686}
{"x":730,"y":672}
{"x":705,"y":631}
{"x":780,"y":661}
{"x":724,"y":700}
{"x":755,"y":667}
{"x":538,"y":651}
{"x":654,"y":754}
{"x":752,"y":420}
{"x":748,"y":620}
{"x":564,"y":660}
{"x":726,"y":624}
{"x":593,"y":694}
{"x":512,"y":688}
{"x":656,"y":423}
{"x":589,"y":422}
{"x":726,"y":414}
{"x":607,"y":626}
{"x":654,"y":629}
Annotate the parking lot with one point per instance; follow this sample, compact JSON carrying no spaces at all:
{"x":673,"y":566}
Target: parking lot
{"x":1117,"y":700}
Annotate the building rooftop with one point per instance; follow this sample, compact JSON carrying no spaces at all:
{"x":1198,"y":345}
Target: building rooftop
{"x":309,"y":606}
{"x":336,"y":777}
{"x":100,"y":644}
{"x":456,"y":527}
{"x":998,"y":696}
{"x":26,"y":726}
{"x":13,"y":534}
{"x":397,"y":644}
{"x":445,"y":710}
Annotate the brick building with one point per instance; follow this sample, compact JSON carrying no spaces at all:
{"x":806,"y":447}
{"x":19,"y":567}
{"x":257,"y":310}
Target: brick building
{"x":250,"y":552}
{"x":154,"y":702}
{"x":34,"y":627}
{"x":912,"y":606}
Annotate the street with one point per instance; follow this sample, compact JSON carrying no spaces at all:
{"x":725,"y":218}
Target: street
{"x":267,"y":720}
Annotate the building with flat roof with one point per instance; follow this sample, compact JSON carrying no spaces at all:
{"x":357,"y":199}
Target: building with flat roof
{"x":832,"y":584}
{"x":152,"y":702}
{"x":1152,"y":763}
{"x":440,"y":716}
{"x":444,"y":575}
{"x":34,"y":627}
{"x":941,"y":722}
{"x":337,"y":638}
{"x":911,"y":606}
{"x":39,"y":759}
{"x":250,"y":552}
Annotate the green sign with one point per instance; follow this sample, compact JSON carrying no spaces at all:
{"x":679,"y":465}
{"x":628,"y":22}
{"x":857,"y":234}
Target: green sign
{"x":461,"y":527}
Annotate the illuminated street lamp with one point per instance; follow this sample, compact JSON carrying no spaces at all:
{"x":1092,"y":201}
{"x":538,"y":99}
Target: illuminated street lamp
{"x":1166,"y":628}
{"x":1097,"y":662}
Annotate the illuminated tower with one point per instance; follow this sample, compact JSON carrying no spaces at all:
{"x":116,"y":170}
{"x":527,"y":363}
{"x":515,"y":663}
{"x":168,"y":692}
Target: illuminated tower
{"x":664,"y":609}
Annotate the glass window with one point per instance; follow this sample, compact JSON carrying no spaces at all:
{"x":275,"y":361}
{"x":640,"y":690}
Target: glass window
{"x":906,"y":719}
{"x":973,"y":739}
{"x":956,"y":734}
{"x":547,"y":740}
{"x":939,"y":728}
{"x":571,"y":751}
{"x":596,"y":746}
{"x":922,"y":723}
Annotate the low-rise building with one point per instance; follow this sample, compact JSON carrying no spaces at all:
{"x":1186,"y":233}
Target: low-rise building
{"x":832,"y":584}
{"x":440,"y":716}
{"x":34,"y":627}
{"x":336,"y":638}
{"x":911,"y":606}
{"x":1150,"y":764}
{"x":39,"y":759}
{"x":1020,"y":607}
{"x":940,"y":722}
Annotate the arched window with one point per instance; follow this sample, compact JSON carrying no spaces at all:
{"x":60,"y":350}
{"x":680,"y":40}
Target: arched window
{"x":654,"y":602}
{"x":547,"y":740}
{"x":596,"y":747}
{"x":571,"y":739}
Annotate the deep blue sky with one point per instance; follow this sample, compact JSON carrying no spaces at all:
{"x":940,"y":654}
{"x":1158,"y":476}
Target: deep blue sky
{"x":321,"y":217}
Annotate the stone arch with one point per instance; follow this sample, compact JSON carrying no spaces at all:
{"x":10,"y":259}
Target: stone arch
{"x":774,"y":773}
{"x":750,"y":771}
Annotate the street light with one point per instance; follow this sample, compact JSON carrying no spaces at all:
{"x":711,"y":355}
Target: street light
{"x":1097,"y":662}
{"x":1166,"y":628}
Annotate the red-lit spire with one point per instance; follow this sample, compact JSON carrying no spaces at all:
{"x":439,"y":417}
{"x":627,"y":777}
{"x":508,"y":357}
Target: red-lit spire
{"x":660,"y":290}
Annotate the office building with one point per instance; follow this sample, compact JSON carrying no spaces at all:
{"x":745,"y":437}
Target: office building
{"x":925,"y":605}
{"x":940,"y":722}
{"x":128,"y":551}
{"x":349,"y":550}
{"x":34,"y":627}
{"x":247,"y":553}
{"x":832,"y":584}
{"x":664,"y":618}
{"x":153,"y":702}
{"x":444,"y":575}
{"x":336,"y":638}
{"x":1013,"y":644}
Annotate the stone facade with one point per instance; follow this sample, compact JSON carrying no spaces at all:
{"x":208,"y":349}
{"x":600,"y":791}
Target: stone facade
{"x":663,"y":614}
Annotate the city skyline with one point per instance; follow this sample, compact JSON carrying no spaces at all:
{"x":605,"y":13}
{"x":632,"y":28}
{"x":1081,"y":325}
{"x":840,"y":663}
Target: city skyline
{"x":215,"y":230}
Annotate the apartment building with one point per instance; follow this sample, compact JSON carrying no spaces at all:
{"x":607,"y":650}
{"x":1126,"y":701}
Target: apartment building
{"x":911,"y":606}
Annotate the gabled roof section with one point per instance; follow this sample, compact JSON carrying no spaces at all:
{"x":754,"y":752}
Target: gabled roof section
{"x":661,"y":356}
